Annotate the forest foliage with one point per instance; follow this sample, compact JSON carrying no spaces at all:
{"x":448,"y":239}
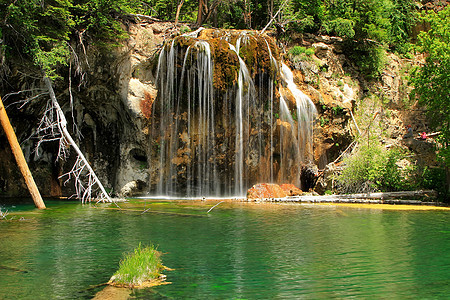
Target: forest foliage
{"x":40,"y":30}
{"x":432,"y":80}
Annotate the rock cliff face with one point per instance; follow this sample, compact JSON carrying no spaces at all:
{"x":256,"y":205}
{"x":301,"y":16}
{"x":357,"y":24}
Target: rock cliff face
{"x":227,"y":114}
{"x":143,"y":131}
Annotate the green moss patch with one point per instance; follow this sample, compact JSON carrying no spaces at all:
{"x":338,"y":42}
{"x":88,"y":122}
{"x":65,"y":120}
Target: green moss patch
{"x":226,"y":64}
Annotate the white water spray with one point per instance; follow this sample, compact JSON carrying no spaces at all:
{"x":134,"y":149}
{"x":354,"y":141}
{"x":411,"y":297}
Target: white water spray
{"x":213,"y":143}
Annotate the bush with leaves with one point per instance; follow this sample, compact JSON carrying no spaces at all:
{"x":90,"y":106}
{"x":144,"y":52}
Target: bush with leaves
{"x":372,"y":167}
{"x":432,"y":178}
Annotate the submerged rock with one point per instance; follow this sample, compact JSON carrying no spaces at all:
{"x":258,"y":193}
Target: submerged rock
{"x":112,"y":292}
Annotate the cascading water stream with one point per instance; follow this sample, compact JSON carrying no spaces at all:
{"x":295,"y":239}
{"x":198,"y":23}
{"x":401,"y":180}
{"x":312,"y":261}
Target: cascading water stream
{"x":198,"y":97}
{"x":212,"y":141}
{"x":245,"y":93}
{"x":270,"y":92}
{"x":306,"y":113}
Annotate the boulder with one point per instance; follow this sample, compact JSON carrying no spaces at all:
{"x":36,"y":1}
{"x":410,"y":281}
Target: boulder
{"x":132,"y":188}
{"x":291,"y":190}
{"x":272,"y":190}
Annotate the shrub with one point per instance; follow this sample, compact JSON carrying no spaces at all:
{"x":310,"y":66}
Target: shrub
{"x":374,"y":168}
{"x":184,"y":29}
{"x":301,"y":52}
{"x":341,"y":27}
{"x":433,"y":178}
{"x":370,"y":58}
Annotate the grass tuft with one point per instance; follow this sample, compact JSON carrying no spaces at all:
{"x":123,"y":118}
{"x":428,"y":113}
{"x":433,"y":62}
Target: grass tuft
{"x":138,"y":267}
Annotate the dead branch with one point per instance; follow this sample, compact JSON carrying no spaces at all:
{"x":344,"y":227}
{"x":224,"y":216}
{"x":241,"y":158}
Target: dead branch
{"x":273,"y":18}
{"x":3,"y":214}
{"x":214,"y":206}
{"x":346,"y":149}
{"x":354,"y":121}
{"x":150,"y":18}
{"x":57,"y":121}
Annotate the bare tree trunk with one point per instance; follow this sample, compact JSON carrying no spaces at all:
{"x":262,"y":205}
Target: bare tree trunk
{"x":270,"y":8}
{"x":247,"y":15}
{"x":364,"y":197}
{"x":447,"y":169}
{"x":84,"y":193}
{"x":201,"y":11}
{"x":447,"y":175}
{"x":205,"y":12}
{"x":212,"y":10}
{"x":18,"y":154}
{"x":178,"y":12}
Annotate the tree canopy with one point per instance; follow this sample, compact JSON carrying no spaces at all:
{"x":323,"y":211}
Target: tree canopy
{"x":432,"y":80}
{"x":39,"y":30}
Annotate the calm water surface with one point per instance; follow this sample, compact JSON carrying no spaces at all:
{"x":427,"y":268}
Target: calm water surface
{"x":237,"y":251}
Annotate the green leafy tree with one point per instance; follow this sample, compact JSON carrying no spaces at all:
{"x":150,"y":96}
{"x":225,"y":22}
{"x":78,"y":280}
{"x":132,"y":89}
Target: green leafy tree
{"x":432,"y":80}
{"x":39,"y":31}
{"x":402,"y":16}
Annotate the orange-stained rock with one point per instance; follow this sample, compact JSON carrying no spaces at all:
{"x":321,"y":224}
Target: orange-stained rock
{"x":291,"y":190}
{"x":265,"y":190}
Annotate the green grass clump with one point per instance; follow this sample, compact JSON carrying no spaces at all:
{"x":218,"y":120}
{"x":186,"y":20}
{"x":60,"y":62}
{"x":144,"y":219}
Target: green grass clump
{"x":310,"y":51}
{"x":297,"y":50}
{"x":300,"y":50}
{"x":144,"y":264}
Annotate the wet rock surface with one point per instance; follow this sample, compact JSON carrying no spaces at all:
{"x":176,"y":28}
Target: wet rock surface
{"x":114,"y":106}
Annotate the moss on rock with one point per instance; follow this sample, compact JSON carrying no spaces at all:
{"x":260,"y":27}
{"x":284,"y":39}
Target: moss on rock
{"x":226,"y":64}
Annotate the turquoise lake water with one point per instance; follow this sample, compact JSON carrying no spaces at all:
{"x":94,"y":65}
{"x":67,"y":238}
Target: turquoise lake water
{"x":237,"y":251}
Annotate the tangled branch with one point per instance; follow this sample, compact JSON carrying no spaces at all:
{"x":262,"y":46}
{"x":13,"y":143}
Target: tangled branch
{"x":3,"y":214}
{"x":53,"y":126}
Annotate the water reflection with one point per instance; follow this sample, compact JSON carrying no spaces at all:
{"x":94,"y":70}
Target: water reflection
{"x":238,"y":250}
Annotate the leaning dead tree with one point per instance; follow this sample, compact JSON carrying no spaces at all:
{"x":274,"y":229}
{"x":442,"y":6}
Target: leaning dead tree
{"x":274,"y":17}
{"x":53,"y":126}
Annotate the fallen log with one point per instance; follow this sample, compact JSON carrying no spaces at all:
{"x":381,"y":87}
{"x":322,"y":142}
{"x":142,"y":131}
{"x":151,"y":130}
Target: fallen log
{"x":382,"y":197}
{"x":433,"y":134}
{"x":150,"y":18}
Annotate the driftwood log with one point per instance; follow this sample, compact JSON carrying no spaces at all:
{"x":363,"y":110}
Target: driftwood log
{"x":386,"y":197}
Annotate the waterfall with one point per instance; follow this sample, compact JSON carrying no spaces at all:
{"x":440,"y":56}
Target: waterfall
{"x":185,"y":116}
{"x":245,"y":94}
{"x":215,"y":128}
{"x":306,"y":113}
